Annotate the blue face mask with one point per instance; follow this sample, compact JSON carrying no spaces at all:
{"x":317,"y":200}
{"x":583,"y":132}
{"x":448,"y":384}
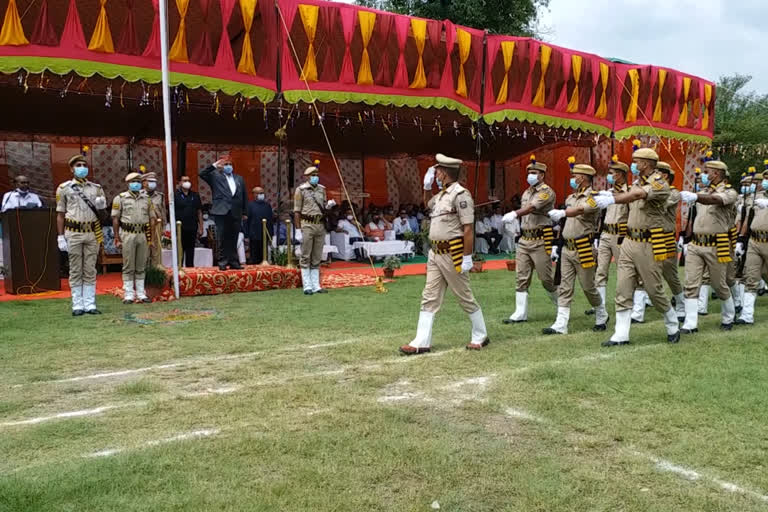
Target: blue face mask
{"x":705,"y":180}
{"x":610,"y":179}
{"x":228,"y":169}
{"x":314,"y":180}
{"x":134,"y":186}
{"x":743,"y":190}
{"x":765,"y":184}
{"x":696,"y":187}
{"x":634,"y":169}
{"x":151,"y":185}
{"x":753,"y":188}
{"x":439,"y":183}
{"x":573,"y":183}
{"x":81,"y":172}
{"x":532,"y":179}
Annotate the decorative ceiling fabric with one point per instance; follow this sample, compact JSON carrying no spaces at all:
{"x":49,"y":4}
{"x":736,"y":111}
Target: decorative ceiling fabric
{"x":352,"y":54}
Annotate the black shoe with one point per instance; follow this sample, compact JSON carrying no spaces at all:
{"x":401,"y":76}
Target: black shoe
{"x":550,"y":331}
{"x":637,"y":321}
{"x":600,"y":328}
{"x":680,"y":319}
{"x":308,"y":292}
{"x":93,"y":312}
{"x":508,"y":321}
{"x":673,"y":338}
{"x":704,"y":314}
{"x":610,"y":343}
{"x":673,"y":301}
{"x":726,"y":327}
{"x":145,"y":300}
{"x":590,"y":312}
{"x":689,"y":331}
{"x":714,"y":296}
{"x":760,"y":293}
{"x":235,"y":266}
{"x":126,"y":301}
{"x":78,"y":312}
{"x":738,"y":310}
{"x":321,"y":290}
{"x":739,"y":321}
{"x":222,"y":267}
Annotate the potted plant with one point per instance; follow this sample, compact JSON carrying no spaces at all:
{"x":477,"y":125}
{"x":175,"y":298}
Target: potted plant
{"x":391,"y":263}
{"x":155,"y":279}
{"x":478,"y":260}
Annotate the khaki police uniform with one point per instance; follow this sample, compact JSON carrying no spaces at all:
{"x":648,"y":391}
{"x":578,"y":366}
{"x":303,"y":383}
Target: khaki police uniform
{"x":614,"y":231}
{"x":534,"y":247}
{"x":669,"y":267}
{"x":309,"y":202}
{"x":132,"y":209}
{"x":83,"y":233}
{"x":157,"y":206}
{"x":756,"y":265}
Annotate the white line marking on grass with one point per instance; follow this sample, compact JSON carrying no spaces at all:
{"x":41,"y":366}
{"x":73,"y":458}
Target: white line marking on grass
{"x":186,"y":436}
{"x":62,"y":415}
{"x":212,"y":391}
{"x":513,"y":412}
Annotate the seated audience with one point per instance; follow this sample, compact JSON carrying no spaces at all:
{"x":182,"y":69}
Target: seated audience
{"x":373,"y":232}
{"x":350,"y":227}
{"x":402,"y":225}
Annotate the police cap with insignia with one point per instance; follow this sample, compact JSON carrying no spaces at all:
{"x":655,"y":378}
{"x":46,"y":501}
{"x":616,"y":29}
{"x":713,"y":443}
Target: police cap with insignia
{"x":311,"y":170}
{"x":77,"y":158}
{"x":450,"y":165}
{"x":646,"y":154}
{"x":583,"y":169}
{"x":132,"y":176}
{"x":617,"y":165}
{"x":665,"y":167}
{"x":717,"y":165}
{"x":149,"y":176}
{"x":536,"y":166}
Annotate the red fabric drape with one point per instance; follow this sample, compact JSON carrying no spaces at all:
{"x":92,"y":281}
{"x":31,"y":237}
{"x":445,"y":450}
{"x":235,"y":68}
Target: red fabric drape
{"x":348,"y":17}
{"x":450,"y":37}
{"x":328,"y":20}
{"x":43,"y":34}
{"x":433,"y":34}
{"x":225,"y":60}
{"x":201,"y":53}
{"x":153,"y":45}
{"x":129,"y":43}
{"x":383,"y":76}
{"x":401,"y":72}
{"x":73,"y":37}
{"x":268,"y":65}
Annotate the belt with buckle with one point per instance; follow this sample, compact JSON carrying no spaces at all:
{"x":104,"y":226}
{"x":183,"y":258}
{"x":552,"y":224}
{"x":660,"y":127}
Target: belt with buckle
{"x":79,"y":227}
{"x":312,"y":219}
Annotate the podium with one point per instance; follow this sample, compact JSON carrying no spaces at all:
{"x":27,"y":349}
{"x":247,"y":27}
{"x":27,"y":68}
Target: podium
{"x":30,"y":252}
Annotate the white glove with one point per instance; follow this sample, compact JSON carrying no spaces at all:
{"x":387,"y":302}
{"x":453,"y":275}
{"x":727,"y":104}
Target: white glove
{"x":761,"y":203}
{"x":331,"y":203}
{"x":605,"y":193}
{"x":299,"y":235}
{"x":596,"y":243}
{"x":466,"y":263}
{"x":100,"y":203}
{"x":509,"y":217}
{"x":688,"y":197}
{"x":429,"y":178}
{"x":62,"y":243}
{"x":680,"y":244}
{"x":685,"y":249}
{"x":603,"y":201}
{"x":556,"y":215}
{"x":739,"y":251}
{"x":555,"y":254}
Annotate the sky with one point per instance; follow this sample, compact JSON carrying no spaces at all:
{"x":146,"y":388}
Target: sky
{"x":706,"y":38}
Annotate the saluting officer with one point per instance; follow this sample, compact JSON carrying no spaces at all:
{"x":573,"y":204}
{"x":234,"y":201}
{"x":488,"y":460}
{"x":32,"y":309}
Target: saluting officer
{"x":614,"y":225}
{"x":535,"y":246}
{"x":644,"y":249}
{"x":578,"y":256}
{"x":79,"y":228}
{"x":309,"y":205}
{"x":132,"y":215}
{"x":452,"y":213}
{"x":757,"y":254}
{"x":157,"y":225}
{"x":710,"y":247}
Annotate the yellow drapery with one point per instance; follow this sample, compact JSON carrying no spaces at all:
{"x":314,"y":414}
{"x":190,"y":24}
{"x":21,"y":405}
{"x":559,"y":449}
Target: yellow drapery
{"x":101,"y":40}
{"x":178,"y":51}
{"x":602,"y":108}
{"x":541,"y":90}
{"x":419,"y":30}
{"x":12,"y":33}
{"x":367,"y":21}
{"x":246,"y":65}
{"x":573,"y":104}
{"x":657,"y":111}
{"x":707,"y":101}
{"x":308,"y":15}
{"x":507,"y":51}
{"x":683,"y":120}
{"x":634,"y":79}
{"x":464,"y":40}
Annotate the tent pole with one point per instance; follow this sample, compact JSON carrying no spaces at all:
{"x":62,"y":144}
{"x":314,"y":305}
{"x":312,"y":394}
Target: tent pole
{"x":480,"y":121}
{"x":168,"y":144}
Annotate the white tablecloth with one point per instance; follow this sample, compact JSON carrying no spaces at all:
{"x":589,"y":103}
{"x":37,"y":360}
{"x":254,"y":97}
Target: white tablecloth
{"x":203,"y":257}
{"x":388,"y":248}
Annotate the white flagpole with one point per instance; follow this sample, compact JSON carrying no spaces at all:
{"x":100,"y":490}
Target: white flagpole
{"x":168,"y":143}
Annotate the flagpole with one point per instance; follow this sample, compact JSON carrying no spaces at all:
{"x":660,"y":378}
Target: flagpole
{"x":168,"y":143}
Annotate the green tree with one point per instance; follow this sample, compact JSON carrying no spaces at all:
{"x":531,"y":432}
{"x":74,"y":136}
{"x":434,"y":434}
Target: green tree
{"x":512,"y":17}
{"x":741,"y":125}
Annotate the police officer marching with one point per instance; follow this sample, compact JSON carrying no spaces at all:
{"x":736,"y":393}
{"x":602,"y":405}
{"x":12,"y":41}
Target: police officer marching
{"x":77,"y":203}
{"x":644,"y":249}
{"x":710,"y":248}
{"x":535,"y":246}
{"x":742,"y":210}
{"x":578,"y":254}
{"x":309,"y":205}
{"x":452,"y":213}
{"x":132,"y":216}
{"x":755,"y":235}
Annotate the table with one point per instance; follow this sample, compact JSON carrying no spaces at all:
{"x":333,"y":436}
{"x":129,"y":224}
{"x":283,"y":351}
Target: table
{"x":387,"y":248}
{"x":203,"y":257}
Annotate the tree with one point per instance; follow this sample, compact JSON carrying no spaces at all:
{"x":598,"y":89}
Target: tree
{"x":741,"y":125}
{"x":512,"y":17}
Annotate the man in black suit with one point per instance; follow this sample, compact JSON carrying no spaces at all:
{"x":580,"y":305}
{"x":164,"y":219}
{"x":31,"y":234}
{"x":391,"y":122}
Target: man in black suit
{"x":229,"y":207}
{"x":258,"y":210}
{"x":189,"y":211}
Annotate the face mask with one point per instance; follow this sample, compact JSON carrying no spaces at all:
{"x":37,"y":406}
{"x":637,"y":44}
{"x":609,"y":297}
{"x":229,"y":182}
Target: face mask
{"x":314,"y":180}
{"x":574,"y":185}
{"x":753,"y":188}
{"x":205,"y":217}
{"x":696,"y":187}
{"x":532,"y":179}
{"x":22,"y":192}
{"x":349,"y":217}
{"x":186,"y":185}
{"x":134,"y":186}
{"x":260,"y":197}
{"x":765,"y":184}
{"x":81,"y":172}
{"x":634,"y":169}
{"x":705,"y":180}
{"x":610,"y":179}
{"x":228,"y":169}
{"x":439,"y":183}
{"x":151,"y":185}
{"x":743,"y":190}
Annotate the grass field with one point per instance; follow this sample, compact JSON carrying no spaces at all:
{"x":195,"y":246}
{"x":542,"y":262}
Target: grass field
{"x":275,"y":401}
